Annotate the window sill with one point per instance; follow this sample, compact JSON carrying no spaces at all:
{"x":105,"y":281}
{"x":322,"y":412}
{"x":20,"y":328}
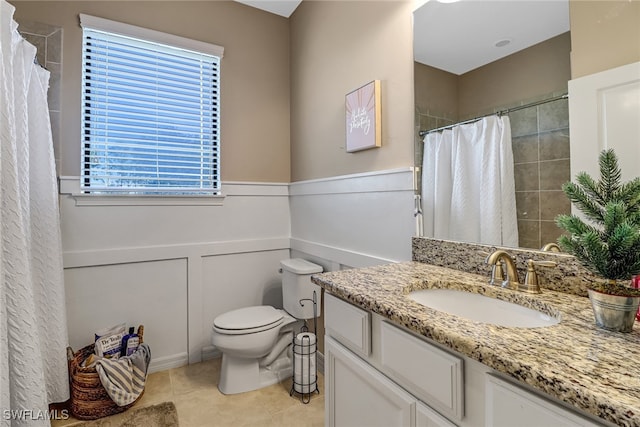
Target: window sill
{"x":145,"y":200}
{"x":70,"y":186}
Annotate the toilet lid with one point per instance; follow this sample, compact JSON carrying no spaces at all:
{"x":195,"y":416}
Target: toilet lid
{"x":249,"y":319}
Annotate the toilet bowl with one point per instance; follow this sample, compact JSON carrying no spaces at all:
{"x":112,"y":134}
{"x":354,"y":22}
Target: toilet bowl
{"x":256,"y":341}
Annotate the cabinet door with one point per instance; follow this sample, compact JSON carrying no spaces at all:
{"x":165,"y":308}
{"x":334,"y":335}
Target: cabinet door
{"x":358,"y":395}
{"x":508,"y":405}
{"x":427,"y":417}
{"x":432,"y":375}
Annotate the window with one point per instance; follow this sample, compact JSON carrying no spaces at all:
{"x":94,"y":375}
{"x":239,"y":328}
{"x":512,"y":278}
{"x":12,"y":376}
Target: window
{"x":150,"y":112}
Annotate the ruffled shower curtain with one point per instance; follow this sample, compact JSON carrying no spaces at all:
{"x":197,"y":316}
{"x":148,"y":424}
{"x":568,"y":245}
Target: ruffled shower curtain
{"x":33,"y":328}
{"x":468,"y":186}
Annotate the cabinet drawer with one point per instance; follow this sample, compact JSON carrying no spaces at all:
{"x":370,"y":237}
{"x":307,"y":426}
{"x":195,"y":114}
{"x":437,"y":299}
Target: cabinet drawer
{"x":508,"y":405}
{"x":348,"y":324}
{"x":433,"y":375}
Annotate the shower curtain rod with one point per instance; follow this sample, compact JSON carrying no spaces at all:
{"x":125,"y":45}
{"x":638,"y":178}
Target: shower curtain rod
{"x":499,"y":113}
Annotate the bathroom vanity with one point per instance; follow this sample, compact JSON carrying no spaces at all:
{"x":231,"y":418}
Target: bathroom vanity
{"x":390,"y":360}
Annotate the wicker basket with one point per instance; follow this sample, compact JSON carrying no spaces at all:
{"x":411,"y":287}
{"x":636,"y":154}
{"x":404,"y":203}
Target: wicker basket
{"x":89,"y":399}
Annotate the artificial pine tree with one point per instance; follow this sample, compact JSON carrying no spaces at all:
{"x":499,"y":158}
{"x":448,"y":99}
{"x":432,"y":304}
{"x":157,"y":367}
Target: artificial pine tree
{"x":609,"y":244}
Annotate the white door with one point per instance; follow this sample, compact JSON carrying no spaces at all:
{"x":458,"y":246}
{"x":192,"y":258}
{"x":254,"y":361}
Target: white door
{"x":358,"y":395}
{"x":604,"y":112}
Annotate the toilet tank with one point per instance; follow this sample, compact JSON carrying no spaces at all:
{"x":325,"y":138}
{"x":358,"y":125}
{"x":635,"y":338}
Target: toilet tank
{"x":297,"y":285}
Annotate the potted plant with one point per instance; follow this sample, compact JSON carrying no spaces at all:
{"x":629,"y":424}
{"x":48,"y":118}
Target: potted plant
{"x":608,"y":242}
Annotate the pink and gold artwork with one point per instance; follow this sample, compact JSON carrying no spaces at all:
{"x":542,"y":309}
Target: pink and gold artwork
{"x":363,"y":117}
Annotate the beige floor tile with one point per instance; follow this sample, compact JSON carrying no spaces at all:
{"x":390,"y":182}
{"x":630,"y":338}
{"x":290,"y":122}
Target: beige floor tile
{"x":276,"y":397}
{"x":302,"y":415}
{"x":199,"y":376}
{"x":197,"y":409}
{"x":199,"y":403}
{"x":64,"y":423}
{"x":157,"y":389}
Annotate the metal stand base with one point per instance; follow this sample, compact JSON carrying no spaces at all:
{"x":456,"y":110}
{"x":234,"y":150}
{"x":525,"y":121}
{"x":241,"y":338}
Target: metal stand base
{"x":305,"y":397}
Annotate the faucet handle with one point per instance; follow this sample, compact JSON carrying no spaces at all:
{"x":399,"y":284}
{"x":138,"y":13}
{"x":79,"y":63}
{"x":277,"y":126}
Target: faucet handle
{"x":544,"y":263}
{"x":530,"y":284}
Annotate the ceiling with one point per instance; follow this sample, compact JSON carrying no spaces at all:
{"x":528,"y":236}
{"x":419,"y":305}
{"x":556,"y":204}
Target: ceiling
{"x":459,"y":37}
{"x":279,"y":7}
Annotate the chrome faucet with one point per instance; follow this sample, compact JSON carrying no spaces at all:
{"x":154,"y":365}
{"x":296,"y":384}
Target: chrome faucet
{"x":498,"y":259}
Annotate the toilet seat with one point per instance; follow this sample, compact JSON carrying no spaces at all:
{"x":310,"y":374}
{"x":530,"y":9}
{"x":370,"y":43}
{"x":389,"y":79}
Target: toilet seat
{"x":248,"y":320}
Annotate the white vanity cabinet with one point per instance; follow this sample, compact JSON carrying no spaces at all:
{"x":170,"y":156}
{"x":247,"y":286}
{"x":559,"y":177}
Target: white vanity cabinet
{"x":358,"y":395}
{"x":508,"y":405}
{"x":427,"y":417}
{"x":379,"y":374}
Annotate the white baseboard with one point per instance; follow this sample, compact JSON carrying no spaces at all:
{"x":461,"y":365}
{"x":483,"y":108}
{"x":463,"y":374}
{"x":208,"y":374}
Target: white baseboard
{"x":210,"y":352}
{"x":168,"y":362}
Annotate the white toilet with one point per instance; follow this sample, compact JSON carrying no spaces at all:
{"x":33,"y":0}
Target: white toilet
{"x":255,"y":341}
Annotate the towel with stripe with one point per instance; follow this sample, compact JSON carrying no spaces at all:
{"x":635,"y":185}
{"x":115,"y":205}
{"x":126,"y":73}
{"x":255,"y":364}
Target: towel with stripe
{"x":124,"y":378}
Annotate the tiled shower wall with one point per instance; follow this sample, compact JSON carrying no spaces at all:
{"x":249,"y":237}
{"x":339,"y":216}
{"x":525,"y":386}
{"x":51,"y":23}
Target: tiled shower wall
{"x":540,"y":141}
{"x":427,"y":120}
{"x":48,"y":40}
{"x":540,"y":138}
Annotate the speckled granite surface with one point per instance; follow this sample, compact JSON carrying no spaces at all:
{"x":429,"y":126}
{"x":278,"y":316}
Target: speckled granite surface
{"x":593,"y":370}
{"x":568,"y":276}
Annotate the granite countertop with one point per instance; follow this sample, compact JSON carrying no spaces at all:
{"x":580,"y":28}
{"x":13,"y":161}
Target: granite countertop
{"x":591,"y":369}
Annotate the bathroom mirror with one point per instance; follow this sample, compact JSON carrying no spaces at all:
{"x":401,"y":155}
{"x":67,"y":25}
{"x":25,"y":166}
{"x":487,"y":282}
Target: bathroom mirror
{"x":477,"y":57}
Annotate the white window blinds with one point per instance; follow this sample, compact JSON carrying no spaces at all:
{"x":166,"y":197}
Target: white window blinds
{"x":150,"y":112}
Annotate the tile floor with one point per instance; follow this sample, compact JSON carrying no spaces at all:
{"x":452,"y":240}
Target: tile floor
{"x":194,"y":391}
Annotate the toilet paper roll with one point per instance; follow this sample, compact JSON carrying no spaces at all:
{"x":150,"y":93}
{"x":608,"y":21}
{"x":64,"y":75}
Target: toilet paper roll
{"x":305,"y":343}
{"x":305,"y":366}
{"x":304,"y":362}
{"x":304,"y":376}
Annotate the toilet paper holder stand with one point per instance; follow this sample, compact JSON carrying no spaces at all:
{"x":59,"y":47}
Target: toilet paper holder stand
{"x":305,"y":357}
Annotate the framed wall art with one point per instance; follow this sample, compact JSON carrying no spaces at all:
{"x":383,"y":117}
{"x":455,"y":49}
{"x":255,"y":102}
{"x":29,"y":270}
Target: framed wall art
{"x":364,"y":117}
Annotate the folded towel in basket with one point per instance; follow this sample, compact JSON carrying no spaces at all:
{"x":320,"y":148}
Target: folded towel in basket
{"x":124,"y":378}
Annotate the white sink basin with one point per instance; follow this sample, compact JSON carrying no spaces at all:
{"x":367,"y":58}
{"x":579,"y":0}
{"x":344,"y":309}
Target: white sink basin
{"x":480,"y":308}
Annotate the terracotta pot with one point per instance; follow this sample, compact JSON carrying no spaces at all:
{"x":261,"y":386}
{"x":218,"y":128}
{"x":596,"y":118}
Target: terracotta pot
{"x":614,"y":312}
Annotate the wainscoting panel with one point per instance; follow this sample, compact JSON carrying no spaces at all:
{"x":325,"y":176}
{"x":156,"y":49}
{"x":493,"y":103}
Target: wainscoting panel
{"x":356,"y":220}
{"x":171,"y":267}
{"x":352,"y":221}
{"x":174,"y":268}
{"x":239,"y":280}
{"x":250,"y":211}
{"x":152,"y":293}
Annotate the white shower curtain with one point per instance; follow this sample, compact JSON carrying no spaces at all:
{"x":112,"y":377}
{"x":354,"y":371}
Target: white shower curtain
{"x":33,"y":328}
{"x":468,"y":186}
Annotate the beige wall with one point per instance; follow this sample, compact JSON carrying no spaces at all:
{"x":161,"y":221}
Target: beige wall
{"x":255,"y":74}
{"x":436,"y":91}
{"x":527,"y":75}
{"x":604,"y":35}
{"x":336,"y":47}
{"x":531,"y":74}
